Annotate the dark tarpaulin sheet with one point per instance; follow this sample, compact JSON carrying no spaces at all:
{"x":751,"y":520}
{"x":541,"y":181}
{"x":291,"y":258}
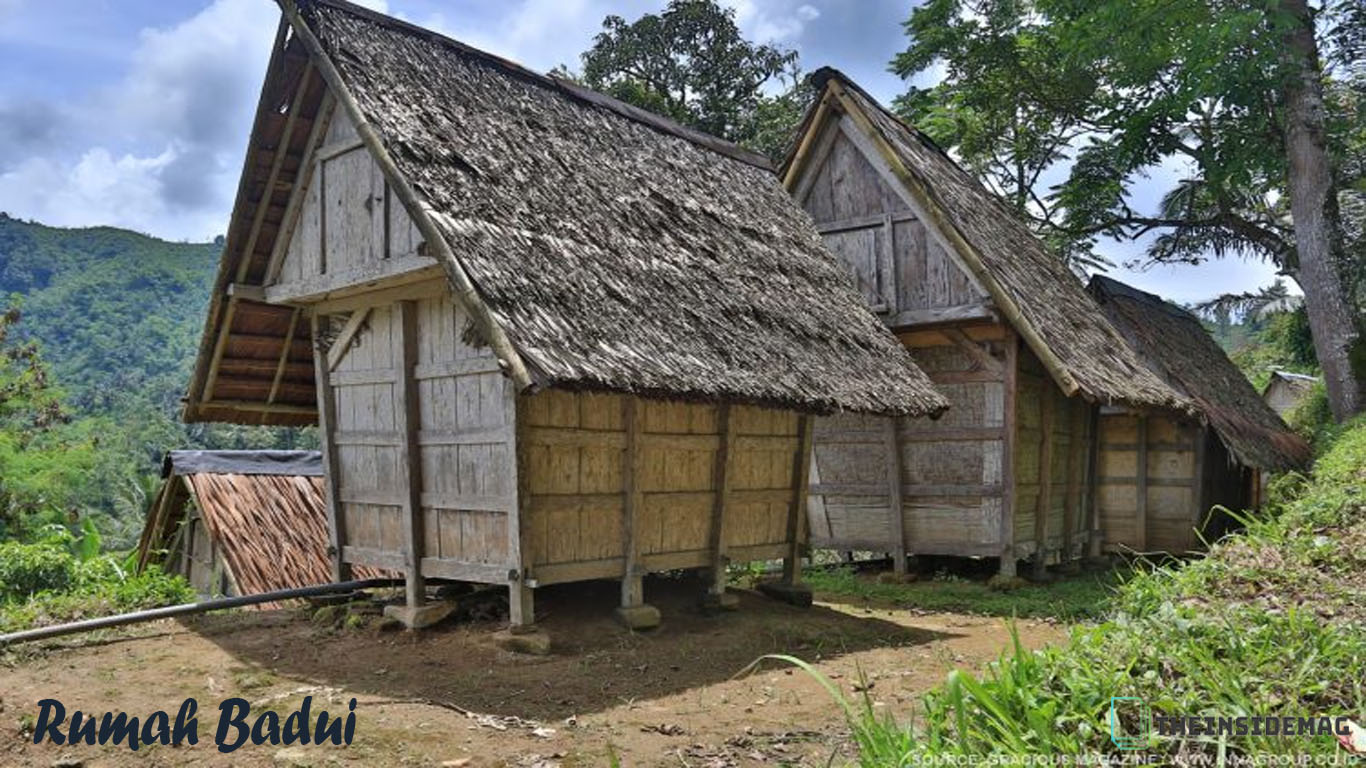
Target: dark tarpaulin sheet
{"x":301,"y":463}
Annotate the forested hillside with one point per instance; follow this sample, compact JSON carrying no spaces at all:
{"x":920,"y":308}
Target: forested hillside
{"x":116,"y":316}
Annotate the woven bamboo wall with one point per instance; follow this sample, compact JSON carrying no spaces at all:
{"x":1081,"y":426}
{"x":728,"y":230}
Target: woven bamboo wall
{"x":574,"y":448}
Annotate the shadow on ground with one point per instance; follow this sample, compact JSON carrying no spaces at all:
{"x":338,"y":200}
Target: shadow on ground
{"x":595,"y":664}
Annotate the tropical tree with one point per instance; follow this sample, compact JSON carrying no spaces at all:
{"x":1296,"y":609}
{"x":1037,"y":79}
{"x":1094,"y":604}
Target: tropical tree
{"x":1231,"y":91}
{"x":690,"y":63}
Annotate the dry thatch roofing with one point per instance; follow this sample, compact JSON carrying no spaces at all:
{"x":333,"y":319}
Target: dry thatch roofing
{"x":1055,"y":316}
{"x":1177,"y":347}
{"x":617,"y":251}
{"x":270,"y":528}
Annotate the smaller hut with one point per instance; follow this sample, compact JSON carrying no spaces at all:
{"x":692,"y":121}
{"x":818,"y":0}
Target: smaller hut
{"x":1287,"y":390}
{"x":1160,"y":473}
{"x":240,"y":522}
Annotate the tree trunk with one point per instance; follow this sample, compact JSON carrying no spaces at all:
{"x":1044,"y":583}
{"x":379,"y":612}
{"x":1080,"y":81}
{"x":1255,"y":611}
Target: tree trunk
{"x":1338,"y":337}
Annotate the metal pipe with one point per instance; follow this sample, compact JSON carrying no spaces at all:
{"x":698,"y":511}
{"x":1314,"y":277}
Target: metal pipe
{"x":202,"y":606}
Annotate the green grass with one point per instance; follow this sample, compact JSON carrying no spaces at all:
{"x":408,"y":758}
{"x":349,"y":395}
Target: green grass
{"x":1074,"y":598}
{"x":1272,"y":623}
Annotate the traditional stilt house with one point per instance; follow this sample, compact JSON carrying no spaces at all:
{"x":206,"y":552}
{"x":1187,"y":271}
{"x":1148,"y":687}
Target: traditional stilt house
{"x":240,"y":522}
{"x":1159,"y":474}
{"x":552,"y":337}
{"x":1000,"y":325}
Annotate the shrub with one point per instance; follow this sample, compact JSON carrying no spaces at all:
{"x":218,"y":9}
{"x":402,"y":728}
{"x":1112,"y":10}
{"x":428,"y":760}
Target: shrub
{"x":26,"y":569}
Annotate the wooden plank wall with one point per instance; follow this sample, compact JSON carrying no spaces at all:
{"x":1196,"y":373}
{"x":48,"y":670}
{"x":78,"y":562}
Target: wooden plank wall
{"x":350,"y":221}
{"x":869,"y":226}
{"x":1156,"y":510}
{"x":575,"y":446}
{"x":465,"y":438}
{"x":1069,"y":442}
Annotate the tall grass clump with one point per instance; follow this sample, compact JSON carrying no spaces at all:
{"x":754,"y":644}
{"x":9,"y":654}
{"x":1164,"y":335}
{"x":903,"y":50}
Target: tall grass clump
{"x":1272,"y":622}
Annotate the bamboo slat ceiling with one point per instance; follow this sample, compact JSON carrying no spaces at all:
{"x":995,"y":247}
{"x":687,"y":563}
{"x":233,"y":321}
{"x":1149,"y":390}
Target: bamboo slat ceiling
{"x":1016,"y":266}
{"x":618,"y":251}
{"x":1177,"y":347}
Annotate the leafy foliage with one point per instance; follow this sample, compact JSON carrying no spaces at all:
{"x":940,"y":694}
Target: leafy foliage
{"x":691,"y":64}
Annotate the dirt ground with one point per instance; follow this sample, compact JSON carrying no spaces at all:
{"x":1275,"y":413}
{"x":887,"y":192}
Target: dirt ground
{"x":449,"y":697}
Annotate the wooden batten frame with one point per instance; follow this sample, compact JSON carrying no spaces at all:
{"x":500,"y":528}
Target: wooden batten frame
{"x":327,"y":415}
{"x":724,"y":475}
{"x":521,"y":604}
{"x":296,"y":195}
{"x":894,"y":495}
{"x":1043,"y":505}
{"x":796,"y":516}
{"x":1089,"y":507}
{"x":633,"y":500}
{"x":296,"y":106}
{"x":409,"y":462}
{"x":462,"y":287}
{"x":346,"y":336}
{"x":1009,"y":434}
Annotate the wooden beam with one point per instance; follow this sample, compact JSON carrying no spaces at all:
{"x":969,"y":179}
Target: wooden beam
{"x":917,"y":317}
{"x":979,"y":355}
{"x":327,"y":424}
{"x":1043,"y":506}
{"x":408,"y":422}
{"x":296,"y":195}
{"x":296,"y":105}
{"x":248,"y":292}
{"x":895,"y":507}
{"x":633,"y":502}
{"x":1009,"y":395}
{"x":284,"y":355}
{"x":220,"y":345}
{"x":1094,"y":538}
{"x":723,"y":476}
{"x":796,"y":516}
{"x":345,"y":337}
{"x":1200,"y":493}
{"x":261,"y":407}
{"x":795,"y":169}
{"x":410,"y":268}
{"x":864,"y":222}
{"x":1141,"y":505}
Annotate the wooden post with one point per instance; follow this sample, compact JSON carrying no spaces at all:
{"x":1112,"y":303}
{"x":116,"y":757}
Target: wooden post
{"x":1043,"y":505}
{"x":1089,"y":508}
{"x":327,"y":410}
{"x":409,"y":456}
{"x":1141,"y":488}
{"x":633,"y":612}
{"x":1074,"y":458}
{"x":796,"y":516}
{"x":1009,"y":384}
{"x":895,"y":506}
{"x":521,"y":603}
{"x":725,"y":458}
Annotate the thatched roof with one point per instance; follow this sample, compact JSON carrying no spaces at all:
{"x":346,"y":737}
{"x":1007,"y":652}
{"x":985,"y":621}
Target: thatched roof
{"x":1177,"y":347}
{"x":264,"y":512}
{"x":616,"y":250}
{"x":1030,"y":286}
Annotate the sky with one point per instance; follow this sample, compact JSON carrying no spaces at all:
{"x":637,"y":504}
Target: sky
{"x":135,"y":113}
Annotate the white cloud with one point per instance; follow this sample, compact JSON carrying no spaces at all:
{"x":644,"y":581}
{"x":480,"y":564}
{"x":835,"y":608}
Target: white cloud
{"x":766,"y":21}
{"x":539,"y":34}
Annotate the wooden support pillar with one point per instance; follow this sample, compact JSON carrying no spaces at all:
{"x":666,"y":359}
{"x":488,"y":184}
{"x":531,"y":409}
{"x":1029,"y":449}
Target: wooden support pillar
{"x":521,"y":604}
{"x":633,"y":612}
{"x":1199,"y":497}
{"x":1094,"y":538}
{"x":327,"y":413}
{"x":1141,"y":489}
{"x":723,"y":475}
{"x":409,"y":456}
{"x":796,"y":515}
{"x":1075,"y":455}
{"x":1009,"y":385}
{"x":895,"y":507}
{"x":1043,"y":505}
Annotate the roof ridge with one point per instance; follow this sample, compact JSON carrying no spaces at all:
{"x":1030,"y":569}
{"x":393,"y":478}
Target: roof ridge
{"x":1111,"y":285}
{"x":572,"y":90}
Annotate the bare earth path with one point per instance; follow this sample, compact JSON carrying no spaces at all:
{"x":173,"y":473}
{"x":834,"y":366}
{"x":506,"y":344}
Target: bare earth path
{"x":448,"y":696}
